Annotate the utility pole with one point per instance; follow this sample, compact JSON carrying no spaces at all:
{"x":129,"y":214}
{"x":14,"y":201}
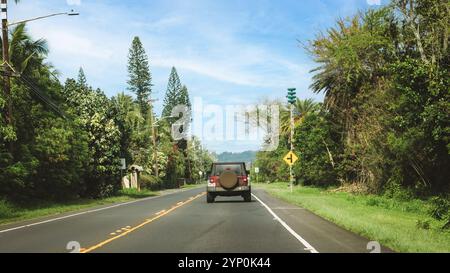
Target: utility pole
{"x":6,"y":65}
{"x":291,"y":99}
{"x":7,"y":69}
{"x":155,"y":151}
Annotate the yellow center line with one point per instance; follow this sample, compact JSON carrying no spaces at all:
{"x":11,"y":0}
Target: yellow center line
{"x":87,"y":250}
{"x":159,"y":212}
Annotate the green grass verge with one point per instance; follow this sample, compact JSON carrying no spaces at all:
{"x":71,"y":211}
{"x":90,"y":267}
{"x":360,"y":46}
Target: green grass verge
{"x":397,"y":224}
{"x":10,"y":213}
{"x":193,"y":186}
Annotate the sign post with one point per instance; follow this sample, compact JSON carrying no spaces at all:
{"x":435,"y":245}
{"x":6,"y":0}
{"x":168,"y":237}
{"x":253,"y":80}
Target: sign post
{"x":256,"y":172}
{"x":292,"y":98}
{"x":200,"y":173}
{"x":123,"y":166}
{"x":290,"y":159}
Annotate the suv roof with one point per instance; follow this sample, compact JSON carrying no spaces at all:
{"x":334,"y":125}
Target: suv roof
{"x":241,"y":165}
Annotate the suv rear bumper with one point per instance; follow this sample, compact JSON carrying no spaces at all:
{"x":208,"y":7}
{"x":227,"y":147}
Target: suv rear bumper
{"x":224,"y":192}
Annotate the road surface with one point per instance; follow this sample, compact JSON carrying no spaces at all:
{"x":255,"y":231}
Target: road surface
{"x":182,"y":222}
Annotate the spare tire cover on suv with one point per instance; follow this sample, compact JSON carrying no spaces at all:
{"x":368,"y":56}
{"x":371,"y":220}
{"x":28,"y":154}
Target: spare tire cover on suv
{"x":228,"y":180}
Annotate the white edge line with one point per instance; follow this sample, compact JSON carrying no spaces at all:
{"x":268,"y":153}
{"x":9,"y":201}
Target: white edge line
{"x":90,"y":211}
{"x":308,"y":247}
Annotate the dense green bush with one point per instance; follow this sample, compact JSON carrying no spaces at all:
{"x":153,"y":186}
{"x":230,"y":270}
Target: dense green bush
{"x":151,"y":182}
{"x":440,"y":209}
{"x":66,"y":141}
{"x":384,"y":124}
{"x":317,"y":150}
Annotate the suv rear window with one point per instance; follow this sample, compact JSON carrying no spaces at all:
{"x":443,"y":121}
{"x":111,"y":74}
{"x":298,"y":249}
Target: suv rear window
{"x":238,"y":169}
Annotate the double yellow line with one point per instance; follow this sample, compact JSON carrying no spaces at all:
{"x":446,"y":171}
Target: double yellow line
{"x":148,"y":221}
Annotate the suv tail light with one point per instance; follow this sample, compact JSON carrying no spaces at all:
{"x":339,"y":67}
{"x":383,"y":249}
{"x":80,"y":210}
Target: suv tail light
{"x":212,"y":181}
{"x":243,"y":180}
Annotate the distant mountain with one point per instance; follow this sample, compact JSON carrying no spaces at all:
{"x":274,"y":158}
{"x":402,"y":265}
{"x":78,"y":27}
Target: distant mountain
{"x":247,"y":156}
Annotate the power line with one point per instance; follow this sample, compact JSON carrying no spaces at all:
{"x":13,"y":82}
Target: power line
{"x":42,"y":96}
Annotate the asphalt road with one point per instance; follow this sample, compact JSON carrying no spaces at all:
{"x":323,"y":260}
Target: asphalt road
{"x":184,"y":222}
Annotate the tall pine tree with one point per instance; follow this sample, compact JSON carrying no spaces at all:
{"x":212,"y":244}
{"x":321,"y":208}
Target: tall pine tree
{"x":172,"y":94}
{"x":82,"y":77}
{"x":140,"y":78}
{"x":184,"y":97}
{"x":177,"y":94}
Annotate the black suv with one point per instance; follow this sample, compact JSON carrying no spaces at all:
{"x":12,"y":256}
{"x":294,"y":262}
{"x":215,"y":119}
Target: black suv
{"x":228,"y":179}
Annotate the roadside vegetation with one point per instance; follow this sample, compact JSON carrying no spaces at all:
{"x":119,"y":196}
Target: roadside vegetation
{"x":402,"y":224}
{"x":15,"y":212}
{"x":66,"y":139}
{"x":383,"y":129}
{"x":11,"y":212}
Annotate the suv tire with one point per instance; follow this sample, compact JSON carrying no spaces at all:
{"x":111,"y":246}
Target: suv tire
{"x":210,"y":198}
{"x":247,"y":197}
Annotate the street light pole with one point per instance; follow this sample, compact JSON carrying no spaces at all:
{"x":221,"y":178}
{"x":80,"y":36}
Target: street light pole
{"x":71,"y":13}
{"x":7,"y":68}
{"x":6,"y":65}
{"x":155,"y":152}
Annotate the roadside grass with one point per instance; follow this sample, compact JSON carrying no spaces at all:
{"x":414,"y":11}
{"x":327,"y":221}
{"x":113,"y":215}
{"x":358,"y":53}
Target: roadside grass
{"x":10,"y":213}
{"x":193,"y":186}
{"x":402,"y":225}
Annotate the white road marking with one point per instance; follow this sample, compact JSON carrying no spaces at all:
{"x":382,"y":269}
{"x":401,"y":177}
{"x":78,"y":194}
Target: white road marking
{"x":91,"y":211}
{"x":286,"y":208}
{"x":308,"y":247}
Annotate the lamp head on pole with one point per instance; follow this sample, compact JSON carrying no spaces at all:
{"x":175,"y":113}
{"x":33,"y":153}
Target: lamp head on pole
{"x":73,"y":13}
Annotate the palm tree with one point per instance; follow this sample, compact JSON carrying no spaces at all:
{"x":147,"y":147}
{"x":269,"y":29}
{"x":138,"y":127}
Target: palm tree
{"x":25,"y":53}
{"x":348,"y":56}
{"x":132,"y":114}
{"x":302,"y":108}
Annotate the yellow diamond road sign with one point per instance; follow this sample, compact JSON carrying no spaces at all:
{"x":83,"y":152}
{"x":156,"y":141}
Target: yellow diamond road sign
{"x":290,"y":158}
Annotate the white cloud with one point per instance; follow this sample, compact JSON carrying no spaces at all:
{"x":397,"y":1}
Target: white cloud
{"x":160,"y":25}
{"x":73,"y":44}
{"x":237,"y":73}
{"x":209,"y":53}
{"x":374,"y":2}
{"x":73,"y":2}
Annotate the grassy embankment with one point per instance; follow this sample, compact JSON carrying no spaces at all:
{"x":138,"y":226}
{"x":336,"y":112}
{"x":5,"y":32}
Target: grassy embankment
{"x":10,"y":213}
{"x":402,"y":225}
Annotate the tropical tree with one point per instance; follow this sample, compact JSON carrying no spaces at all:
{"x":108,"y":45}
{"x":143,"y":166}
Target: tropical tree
{"x":25,"y":53}
{"x":50,"y":152}
{"x":172,"y":97}
{"x":82,"y":77}
{"x":92,"y":110}
{"x":140,"y":78}
{"x":302,"y":108}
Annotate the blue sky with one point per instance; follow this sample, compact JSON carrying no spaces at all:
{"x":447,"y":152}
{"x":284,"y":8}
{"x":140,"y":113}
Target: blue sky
{"x":226,"y":51}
